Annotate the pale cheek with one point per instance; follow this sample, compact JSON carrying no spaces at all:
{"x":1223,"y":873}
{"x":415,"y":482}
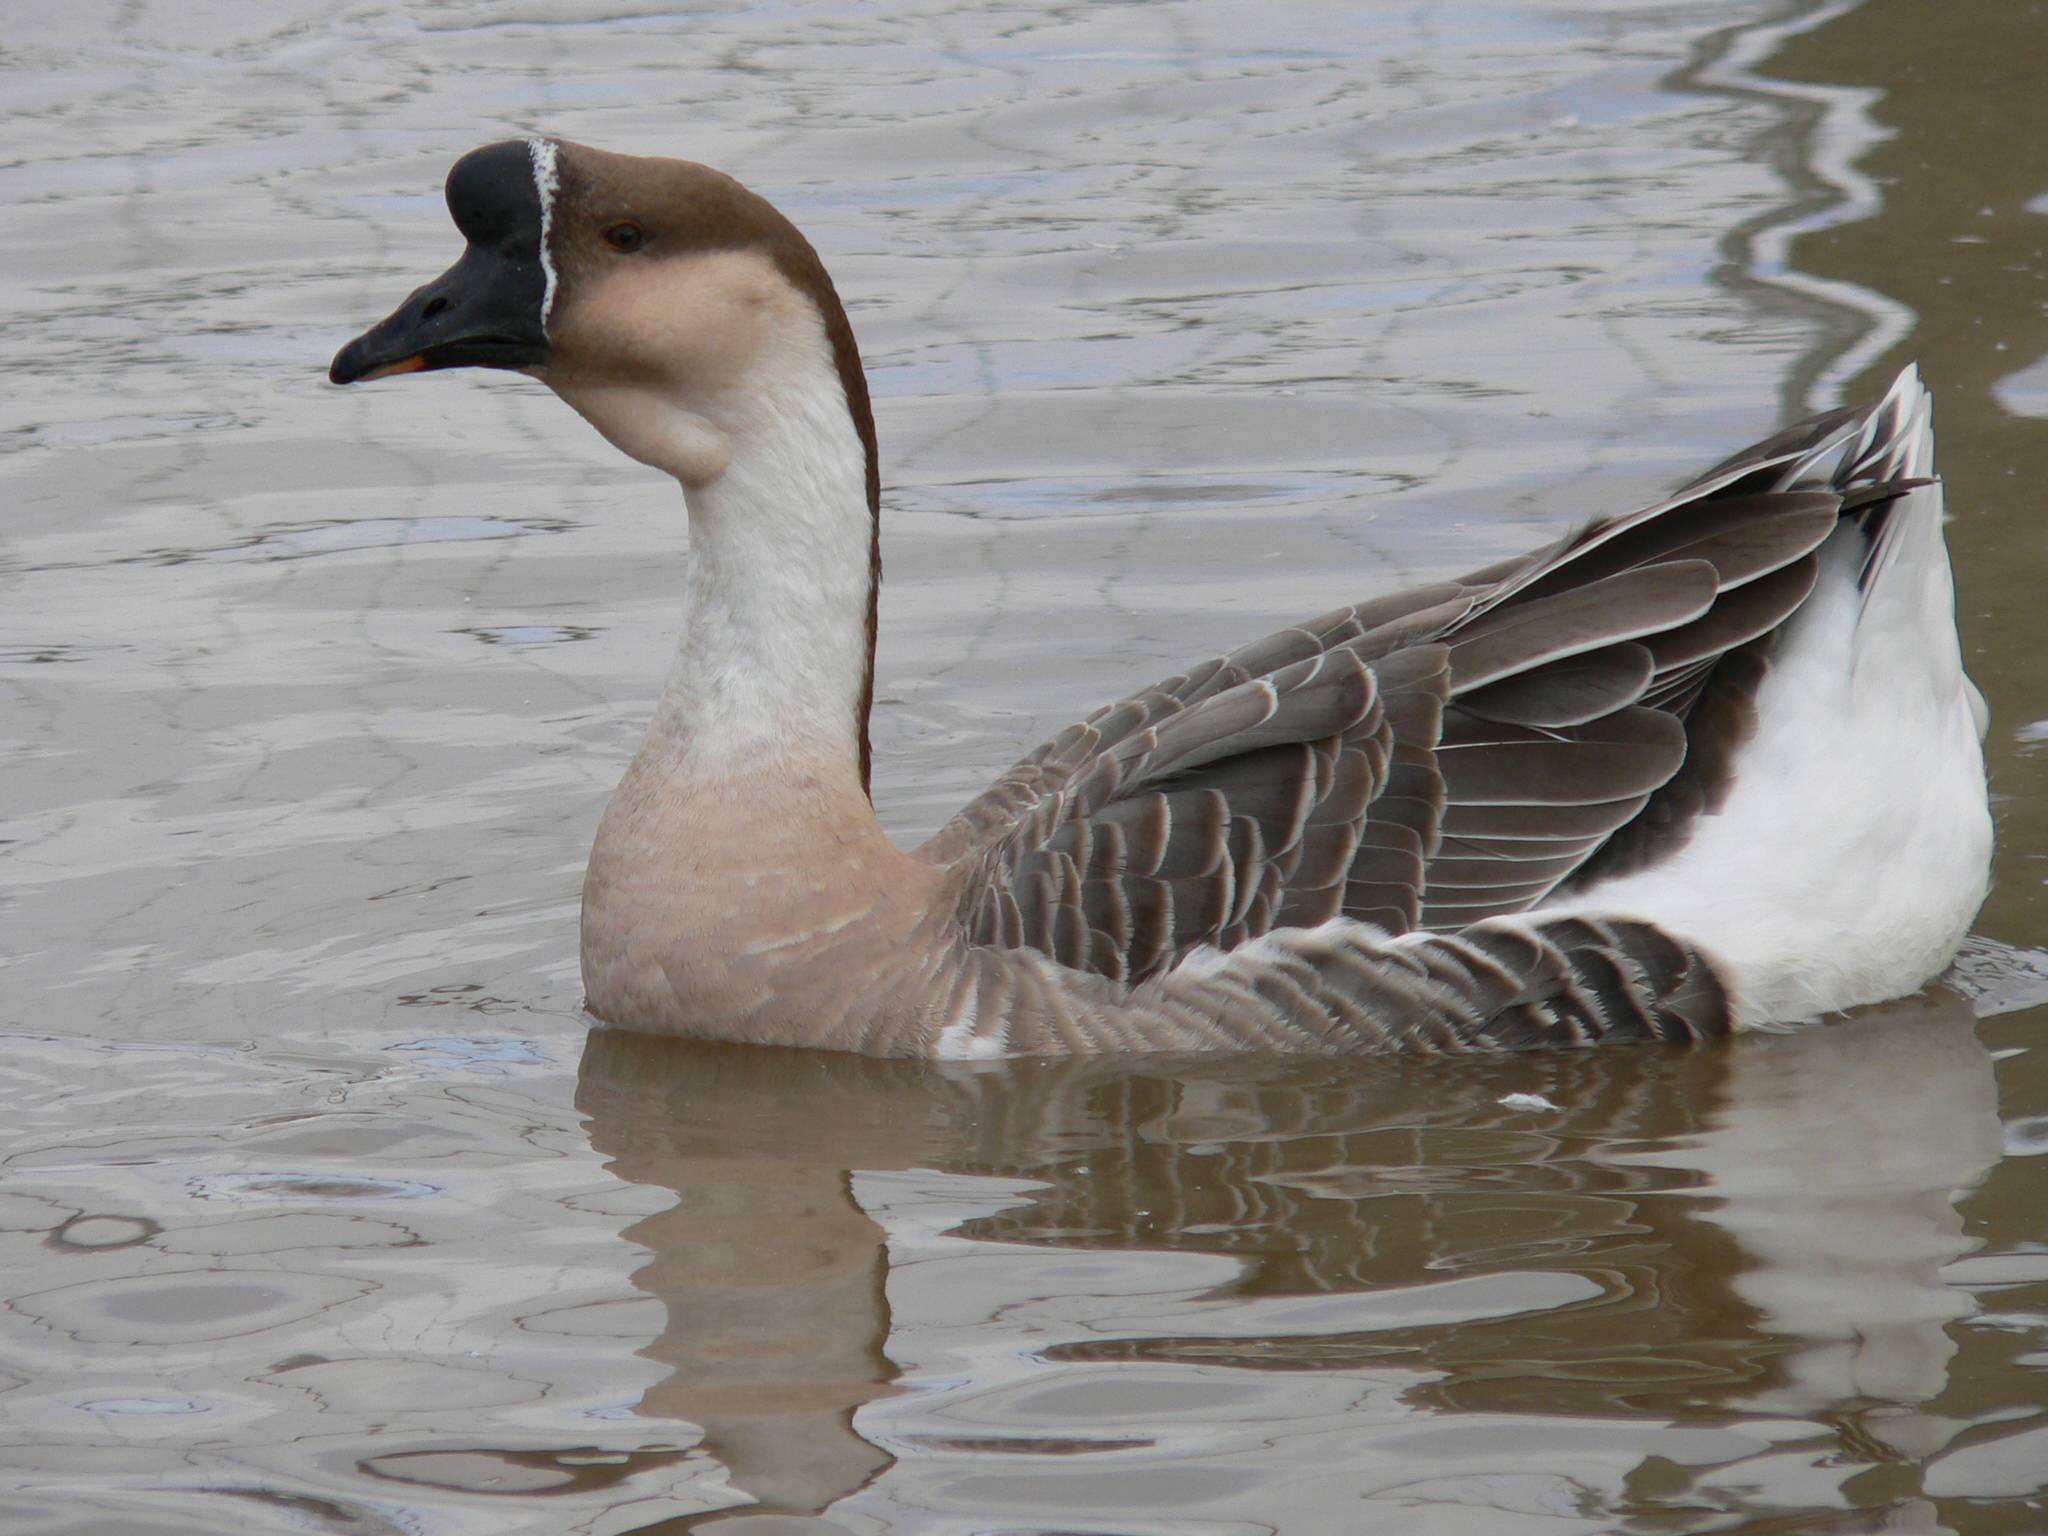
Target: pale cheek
{"x":692,"y":337}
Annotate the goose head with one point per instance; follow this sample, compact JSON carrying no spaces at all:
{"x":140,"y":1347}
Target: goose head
{"x":660,"y":298}
{"x":696,"y":329}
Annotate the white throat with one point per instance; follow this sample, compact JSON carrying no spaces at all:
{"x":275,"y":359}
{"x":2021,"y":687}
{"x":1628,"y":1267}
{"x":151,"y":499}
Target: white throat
{"x":717,"y":370}
{"x":773,"y":659}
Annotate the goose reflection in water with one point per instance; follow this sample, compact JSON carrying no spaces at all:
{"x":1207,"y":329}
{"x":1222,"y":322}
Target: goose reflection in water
{"x":1726,"y":1261}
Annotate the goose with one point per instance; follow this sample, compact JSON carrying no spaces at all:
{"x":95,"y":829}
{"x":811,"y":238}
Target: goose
{"x":1709,"y":766}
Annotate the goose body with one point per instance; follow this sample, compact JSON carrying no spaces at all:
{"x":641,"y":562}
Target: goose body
{"x":1708,"y":766}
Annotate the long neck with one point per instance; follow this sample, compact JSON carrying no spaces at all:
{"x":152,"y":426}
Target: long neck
{"x":740,"y":880}
{"x":776,"y":658}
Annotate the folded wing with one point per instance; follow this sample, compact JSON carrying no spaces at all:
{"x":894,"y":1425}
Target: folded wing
{"x":1423,"y":761}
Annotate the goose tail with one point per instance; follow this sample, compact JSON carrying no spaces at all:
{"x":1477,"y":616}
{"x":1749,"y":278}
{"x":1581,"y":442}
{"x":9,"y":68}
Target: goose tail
{"x":1908,"y":594}
{"x":1852,"y":850}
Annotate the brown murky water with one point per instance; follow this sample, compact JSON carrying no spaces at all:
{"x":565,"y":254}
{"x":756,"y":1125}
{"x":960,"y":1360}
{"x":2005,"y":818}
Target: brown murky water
{"x":1185,"y":319}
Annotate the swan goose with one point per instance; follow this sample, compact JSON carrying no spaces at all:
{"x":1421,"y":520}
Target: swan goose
{"x":1709,"y":766}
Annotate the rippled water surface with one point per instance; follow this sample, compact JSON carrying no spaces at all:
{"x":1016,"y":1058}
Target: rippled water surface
{"x":1184,"y":319}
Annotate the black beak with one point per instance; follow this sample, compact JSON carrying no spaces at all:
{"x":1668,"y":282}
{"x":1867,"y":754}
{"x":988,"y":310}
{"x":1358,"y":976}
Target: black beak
{"x":485,"y":311}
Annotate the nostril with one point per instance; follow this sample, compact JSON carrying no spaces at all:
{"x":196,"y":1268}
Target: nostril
{"x":433,"y":307}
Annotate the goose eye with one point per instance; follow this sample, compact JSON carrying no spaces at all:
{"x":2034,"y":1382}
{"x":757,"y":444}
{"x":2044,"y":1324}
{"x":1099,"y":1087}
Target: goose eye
{"x":625,"y":237}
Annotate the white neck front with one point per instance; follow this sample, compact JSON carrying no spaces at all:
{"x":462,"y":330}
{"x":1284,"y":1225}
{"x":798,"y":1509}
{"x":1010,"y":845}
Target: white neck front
{"x":773,"y":661}
{"x":715,"y":369}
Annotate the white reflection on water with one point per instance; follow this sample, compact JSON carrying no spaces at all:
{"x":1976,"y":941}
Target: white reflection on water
{"x":1836,"y":1162}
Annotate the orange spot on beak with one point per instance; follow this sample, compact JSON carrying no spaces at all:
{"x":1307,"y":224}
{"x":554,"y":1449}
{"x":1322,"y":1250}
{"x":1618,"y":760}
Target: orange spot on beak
{"x":408,"y":365}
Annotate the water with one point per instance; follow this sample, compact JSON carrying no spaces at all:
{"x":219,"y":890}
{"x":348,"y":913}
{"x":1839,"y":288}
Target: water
{"x":1185,"y":320}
